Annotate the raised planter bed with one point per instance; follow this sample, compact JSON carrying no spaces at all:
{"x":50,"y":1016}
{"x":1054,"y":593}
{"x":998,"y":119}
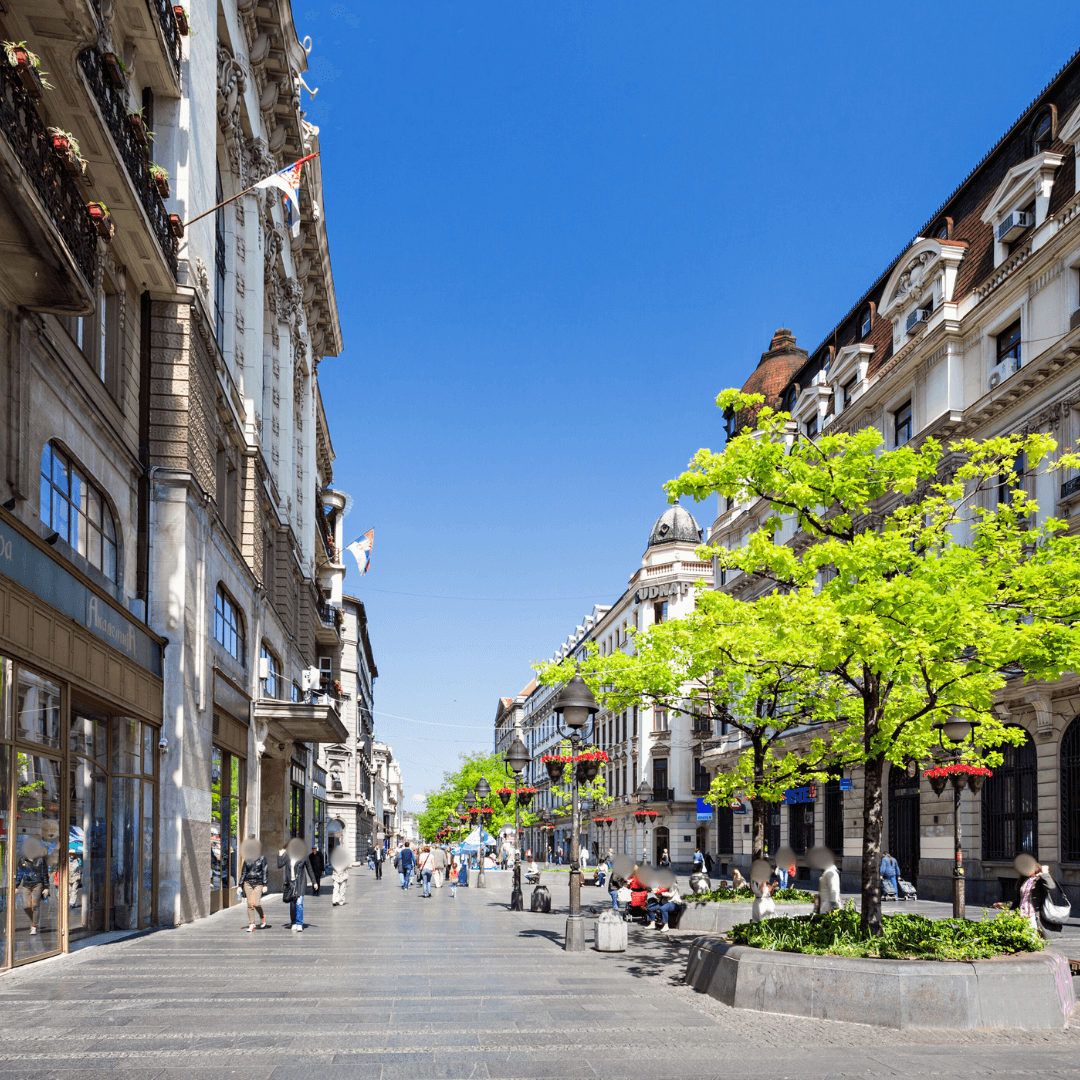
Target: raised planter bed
{"x":1032,"y":992}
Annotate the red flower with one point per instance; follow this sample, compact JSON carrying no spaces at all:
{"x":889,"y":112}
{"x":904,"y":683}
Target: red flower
{"x":593,"y":755}
{"x":957,"y":767}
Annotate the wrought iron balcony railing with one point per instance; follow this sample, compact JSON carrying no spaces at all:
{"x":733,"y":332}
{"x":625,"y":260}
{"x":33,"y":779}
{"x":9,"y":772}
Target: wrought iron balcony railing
{"x":166,"y":19}
{"x":114,"y":109}
{"x":26,"y":134}
{"x":1070,"y":487}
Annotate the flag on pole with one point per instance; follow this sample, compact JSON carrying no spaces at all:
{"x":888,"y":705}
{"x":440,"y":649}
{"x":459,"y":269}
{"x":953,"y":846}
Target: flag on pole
{"x":361,"y":549}
{"x":288,"y":182}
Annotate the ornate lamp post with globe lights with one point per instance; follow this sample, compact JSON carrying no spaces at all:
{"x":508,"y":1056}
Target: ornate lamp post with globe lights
{"x":959,"y":774}
{"x":574,"y":708}
{"x":517,"y":758}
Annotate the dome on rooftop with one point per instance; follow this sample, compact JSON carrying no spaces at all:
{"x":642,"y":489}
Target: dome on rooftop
{"x":675,"y":523}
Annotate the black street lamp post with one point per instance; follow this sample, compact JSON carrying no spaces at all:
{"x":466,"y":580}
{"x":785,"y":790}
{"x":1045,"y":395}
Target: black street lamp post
{"x":575,"y":706}
{"x":517,"y":758}
{"x":483,"y":790}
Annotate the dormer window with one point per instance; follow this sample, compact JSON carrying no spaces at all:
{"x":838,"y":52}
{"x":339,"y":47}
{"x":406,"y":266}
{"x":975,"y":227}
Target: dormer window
{"x":865,"y":323}
{"x":811,"y":427}
{"x":1042,"y":133}
{"x":849,"y":391}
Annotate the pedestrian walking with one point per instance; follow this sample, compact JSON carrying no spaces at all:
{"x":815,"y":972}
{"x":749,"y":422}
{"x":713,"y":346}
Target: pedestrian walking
{"x":405,"y":860}
{"x":294,"y":857}
{"x":339,"y":862}
{"x":427,"y":868}
{"x":32,"y":877}
{"x":438,"y":859}
{"x":708,"y":863}
{"x":254,"y":880}
{"x":699,"y":861}
{"x":318,"y":863}
{"x":377,"y":858}
{"x":452,"y":876}
{"x":558,"y":856}
{"x":890,"y":871}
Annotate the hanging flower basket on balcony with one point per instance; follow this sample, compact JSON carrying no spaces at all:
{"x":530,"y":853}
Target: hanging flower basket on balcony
{"x":525,"y":795}
{"x":603,"y":820}
{"x":959,"y":773}
{"x":555,"y":764}
{"x":505,"y":794}
{"x":27,"y":65}
{"x":115,"y":71}
{"x":181,"y":20}
{"x":102,"y":220}
{"x":161,"y":181}
{"x":66,"y":148}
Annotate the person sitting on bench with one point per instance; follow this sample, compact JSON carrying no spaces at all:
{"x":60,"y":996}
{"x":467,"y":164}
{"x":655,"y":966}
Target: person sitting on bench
{"x":662,"y":903}
{"x":532,"y":873}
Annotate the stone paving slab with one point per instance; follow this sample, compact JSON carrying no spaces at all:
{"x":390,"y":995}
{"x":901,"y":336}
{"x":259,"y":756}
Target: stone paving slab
{"x":396,"y":986}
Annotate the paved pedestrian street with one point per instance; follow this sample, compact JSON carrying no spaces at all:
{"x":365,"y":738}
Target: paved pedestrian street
{"x":393,"y":985}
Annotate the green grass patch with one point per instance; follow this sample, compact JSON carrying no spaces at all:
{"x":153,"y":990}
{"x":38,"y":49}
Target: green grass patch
{"x":905,"y":937}
{"x":745,"y":896}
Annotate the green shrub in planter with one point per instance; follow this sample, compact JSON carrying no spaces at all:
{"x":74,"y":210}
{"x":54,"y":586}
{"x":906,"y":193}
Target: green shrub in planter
{"x":904,"y":937}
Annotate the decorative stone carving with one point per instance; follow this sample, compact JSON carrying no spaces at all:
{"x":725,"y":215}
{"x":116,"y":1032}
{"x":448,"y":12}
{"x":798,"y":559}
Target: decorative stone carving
{"x":202,"y":278}
{"x":232,"y":82}
{"x":273,"y":242}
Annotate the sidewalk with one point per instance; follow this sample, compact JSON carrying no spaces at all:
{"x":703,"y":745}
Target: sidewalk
{"x":395,"y":986}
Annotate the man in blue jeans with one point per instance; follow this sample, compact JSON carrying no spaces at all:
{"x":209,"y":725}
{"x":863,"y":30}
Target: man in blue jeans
{"x":406,"y":862}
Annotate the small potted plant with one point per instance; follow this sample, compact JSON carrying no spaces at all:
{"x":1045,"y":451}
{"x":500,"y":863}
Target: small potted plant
{"x":66,"y":148}
{"x":161,"y":180}
{"x":102,"y":220}
{"x":176,"y":226}
{"x":115,"y":70}
{"x":525,"y":795}
{"x":181,"y":20}
{"x":960,"y":773}
{"x":28,"y":67}
{"x":138,"y":125}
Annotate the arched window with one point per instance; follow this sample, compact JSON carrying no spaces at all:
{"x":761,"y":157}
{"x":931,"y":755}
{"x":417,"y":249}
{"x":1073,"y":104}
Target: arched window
{"x":228,"y":624}
{"x":1070,"y":793}
{"x":77,"y":509}
{"x":1042,"y":132}
{"x":1010,"y":805}
{"x":271,"y":685}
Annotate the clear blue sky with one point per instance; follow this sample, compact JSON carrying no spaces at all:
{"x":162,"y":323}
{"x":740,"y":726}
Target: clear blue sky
{"x":558,"y":230}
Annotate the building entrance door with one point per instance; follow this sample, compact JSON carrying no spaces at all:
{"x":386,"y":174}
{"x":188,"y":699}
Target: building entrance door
{"x":227,"y":787}
{"x":904,"y":822}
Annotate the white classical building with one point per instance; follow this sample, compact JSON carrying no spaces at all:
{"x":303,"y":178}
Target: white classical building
{"x":973,"y":331}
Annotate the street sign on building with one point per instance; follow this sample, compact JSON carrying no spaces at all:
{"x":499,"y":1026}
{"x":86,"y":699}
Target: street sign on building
{"x":704,"y":810}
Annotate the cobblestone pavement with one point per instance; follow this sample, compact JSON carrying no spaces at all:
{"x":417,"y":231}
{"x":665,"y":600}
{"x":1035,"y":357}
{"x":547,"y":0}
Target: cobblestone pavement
{"x":394,"y":985}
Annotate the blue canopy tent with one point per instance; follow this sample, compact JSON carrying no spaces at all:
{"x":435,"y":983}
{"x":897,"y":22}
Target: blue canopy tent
{"x":471,"y":844}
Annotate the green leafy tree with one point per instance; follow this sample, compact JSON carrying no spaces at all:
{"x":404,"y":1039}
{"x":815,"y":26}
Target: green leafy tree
{"x":922,"y":589}
{"x":443,"y":801}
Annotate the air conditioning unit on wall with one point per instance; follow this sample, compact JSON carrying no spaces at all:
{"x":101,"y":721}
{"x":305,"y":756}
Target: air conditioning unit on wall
{"x":917,"y":318}
{"x":1014,"y":224}
{"x":1000,"y":372}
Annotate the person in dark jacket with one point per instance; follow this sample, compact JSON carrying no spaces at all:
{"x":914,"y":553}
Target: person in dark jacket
{"x":406,"y":862}
{"x":253,"y":880}
{"x":377,"y":861}
{"x":297,"y":871}
{"x":318,"y":864}
{"x":32,"y":876}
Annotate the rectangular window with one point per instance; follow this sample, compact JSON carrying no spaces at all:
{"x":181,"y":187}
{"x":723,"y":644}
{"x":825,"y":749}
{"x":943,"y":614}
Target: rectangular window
{"x":849,"y":391}
{"x":1008,"y":344}
{"x":272,"y":682}
{"x":635,"y":721}
{"x":1007,"y":484}
{"x":660,"y":611}
{"x":660,"y":779}
{"x":108,"y":351}
{"x":660,"y":720}
{"x":811,"y":427}
{"x":701,"y":777}
{"x":902,"y":424}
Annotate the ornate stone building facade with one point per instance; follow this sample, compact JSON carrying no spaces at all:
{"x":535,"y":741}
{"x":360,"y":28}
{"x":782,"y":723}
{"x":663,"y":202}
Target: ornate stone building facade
{"x":974,"y":330}
{"x":170,"y":558}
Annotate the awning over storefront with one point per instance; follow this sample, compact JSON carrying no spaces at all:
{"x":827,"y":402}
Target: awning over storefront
{"x":314,"y":723}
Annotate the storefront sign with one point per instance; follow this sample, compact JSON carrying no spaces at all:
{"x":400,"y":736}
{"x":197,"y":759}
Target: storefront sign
{"x":30,"y":567}
{"x":651,"y":592}
{"x":704,"y":810}
{"x":845,"y":785}
{"x":801,"y":794}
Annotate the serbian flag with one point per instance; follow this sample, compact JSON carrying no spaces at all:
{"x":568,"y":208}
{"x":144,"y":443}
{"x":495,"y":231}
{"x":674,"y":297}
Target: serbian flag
{"x":288,"y":182}
{"x":361,"y":549}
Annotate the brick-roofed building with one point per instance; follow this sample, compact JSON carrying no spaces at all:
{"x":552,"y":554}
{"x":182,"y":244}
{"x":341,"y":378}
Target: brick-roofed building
{"x":973,"y":330}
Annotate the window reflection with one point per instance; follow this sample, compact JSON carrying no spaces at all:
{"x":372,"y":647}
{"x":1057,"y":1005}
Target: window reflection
{"x":37,"y":854}
{"x":38,"y":709}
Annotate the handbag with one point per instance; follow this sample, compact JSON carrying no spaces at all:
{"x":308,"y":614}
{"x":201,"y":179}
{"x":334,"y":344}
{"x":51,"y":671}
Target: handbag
{"x":1056,"y":913}
{"x":288,"y":891}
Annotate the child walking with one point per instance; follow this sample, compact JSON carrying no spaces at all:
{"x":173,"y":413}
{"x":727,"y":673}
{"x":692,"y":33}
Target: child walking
{"x":453,"y":876}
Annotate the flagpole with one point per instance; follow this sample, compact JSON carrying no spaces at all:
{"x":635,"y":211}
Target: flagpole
{"x":233,"y":198}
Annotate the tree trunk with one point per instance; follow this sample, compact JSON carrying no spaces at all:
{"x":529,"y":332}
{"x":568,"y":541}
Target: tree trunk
{"x":759,"y":808}
{"x":871,"y":858}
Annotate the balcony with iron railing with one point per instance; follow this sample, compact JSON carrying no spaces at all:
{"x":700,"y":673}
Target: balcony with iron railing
{"x":52,"y":264}
{"x":131,"y":151}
